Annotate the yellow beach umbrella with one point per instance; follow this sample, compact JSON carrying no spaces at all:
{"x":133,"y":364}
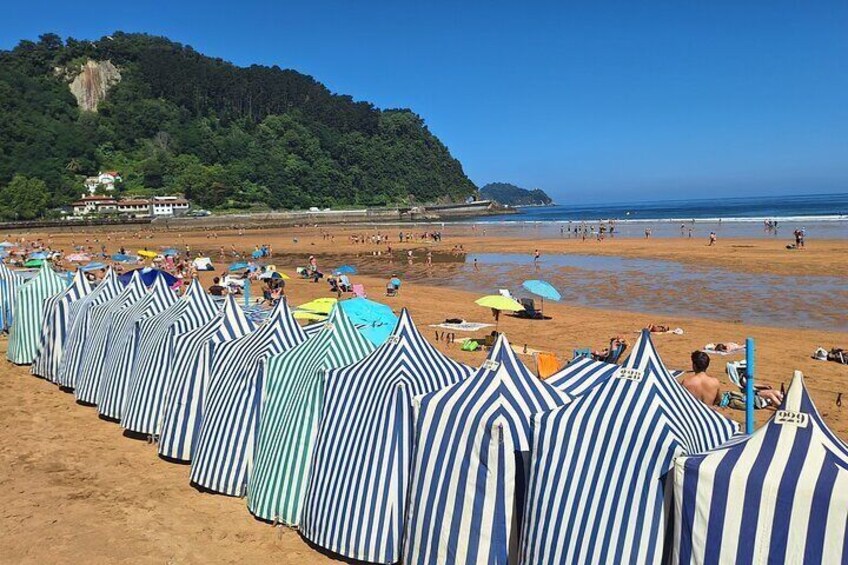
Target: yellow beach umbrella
{"x":498,"y":302}
{"x":318,"y":306}
{"x":148,"y":254}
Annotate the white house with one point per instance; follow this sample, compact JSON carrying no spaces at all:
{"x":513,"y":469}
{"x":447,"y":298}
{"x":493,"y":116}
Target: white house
{"x":168,"y":205}
{"x":94,"y":204}
{"x":104,"y":179}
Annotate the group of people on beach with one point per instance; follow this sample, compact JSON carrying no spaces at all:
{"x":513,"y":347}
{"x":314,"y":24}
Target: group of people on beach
{"x":586,"y":230}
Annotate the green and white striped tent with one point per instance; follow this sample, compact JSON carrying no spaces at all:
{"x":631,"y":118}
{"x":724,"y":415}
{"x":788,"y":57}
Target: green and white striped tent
{"x":294,"y":391}
{"x":9,"y":283}
{"x":25,"y":332}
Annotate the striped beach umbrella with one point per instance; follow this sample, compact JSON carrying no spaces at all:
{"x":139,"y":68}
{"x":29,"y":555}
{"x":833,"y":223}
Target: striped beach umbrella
{"x":142,"y":411}
{"x":294,"y":389}
{"x":9,"y":282}
{"x":776,"y":496}
{"x":189,"y":378}
{"x":599,"y":483}
{"x":97,"y":343}
{"x":122,"y":347}
{"x":79,"y":315}
{"x":355,"y":501}
{"x":54,"y":328}
{"x":470,"y":463}
{"x":25,"y":331}
{"x":230,"y":420}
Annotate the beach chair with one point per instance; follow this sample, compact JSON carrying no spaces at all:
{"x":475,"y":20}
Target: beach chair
{"x":359,"y":290}
{"x":615,"y":353}
{"x":546,"y":364}
{"x":583,"y":352}
{"x":530,"y":310}
{"x":736,"y":372}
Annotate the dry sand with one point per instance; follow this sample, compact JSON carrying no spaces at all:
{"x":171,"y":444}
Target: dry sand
{"x":75,"y":489}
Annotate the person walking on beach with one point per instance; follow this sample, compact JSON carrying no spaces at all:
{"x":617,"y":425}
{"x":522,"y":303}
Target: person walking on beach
{"x":712,"y":239}
{"x":536,"y":256}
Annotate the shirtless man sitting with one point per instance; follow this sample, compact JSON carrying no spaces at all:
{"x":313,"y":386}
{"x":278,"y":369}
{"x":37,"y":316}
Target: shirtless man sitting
{"x":704,"y":387}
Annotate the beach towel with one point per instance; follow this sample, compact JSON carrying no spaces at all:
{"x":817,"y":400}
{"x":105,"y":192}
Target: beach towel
{"x":731,"y":348}
{"x":462,"y":326}
{"x":546,"y":364}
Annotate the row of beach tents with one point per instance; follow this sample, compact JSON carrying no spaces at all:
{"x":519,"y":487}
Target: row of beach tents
{"x":395,"y":452}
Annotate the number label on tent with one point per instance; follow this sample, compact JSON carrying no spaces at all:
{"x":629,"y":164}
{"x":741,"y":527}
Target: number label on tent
{"x":629,"y":374}
{"x":393,"y":339}
{"x":490,"y":365}
{"x":788,"y":418}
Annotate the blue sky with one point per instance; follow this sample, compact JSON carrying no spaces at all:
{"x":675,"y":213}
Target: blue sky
{"x":588,"y":101}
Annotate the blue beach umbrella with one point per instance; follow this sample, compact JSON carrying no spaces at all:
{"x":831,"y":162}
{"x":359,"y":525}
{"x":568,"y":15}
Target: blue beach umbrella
{"x":170,"y":252}
{"x":38,"y":255}
{"x":92,"y":267}
{"x":542,"y":289}
{"x":121,"y":258}
{"x":346,"y":270}
{"x":240,"y":266}
{"x":148,"y":275}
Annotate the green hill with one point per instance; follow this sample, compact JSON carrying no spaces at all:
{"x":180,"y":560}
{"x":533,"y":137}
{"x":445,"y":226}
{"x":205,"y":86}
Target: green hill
{"x":173,"y":120}
{"x":512,"y":195}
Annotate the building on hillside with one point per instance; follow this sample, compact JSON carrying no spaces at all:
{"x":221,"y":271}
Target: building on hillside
{"x":132,"y":207}
{"x":104,"y":180}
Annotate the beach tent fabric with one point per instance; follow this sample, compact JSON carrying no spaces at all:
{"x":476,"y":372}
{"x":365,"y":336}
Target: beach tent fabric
{"x":469,"y":467}
{"x":600,"y":485}
{"x":230,"y":419}
{"x":97,"y":342}
{"x":122,"y":347}
{"x":355,"y":502}
{"x":54,"y":328}
{"x":79,"y":317}
{"x":189,"y":378}
{"x":779,"y":495}
{"x":151,"y":370}
{"x":9,"y":282}
{"x":25,"y":333}
{"x":294,"y":390}
{"x":580,"y":375}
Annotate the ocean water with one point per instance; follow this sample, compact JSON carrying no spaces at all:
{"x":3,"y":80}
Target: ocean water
{"x":823,"y":216}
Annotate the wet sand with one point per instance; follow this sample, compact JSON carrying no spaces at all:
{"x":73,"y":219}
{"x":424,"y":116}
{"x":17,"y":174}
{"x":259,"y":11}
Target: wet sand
{"x":76,"y":490}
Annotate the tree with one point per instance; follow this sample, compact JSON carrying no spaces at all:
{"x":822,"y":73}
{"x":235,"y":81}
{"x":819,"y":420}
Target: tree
{"x":23,"y":198}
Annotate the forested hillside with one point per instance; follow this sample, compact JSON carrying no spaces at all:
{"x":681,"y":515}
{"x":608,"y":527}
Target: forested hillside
{"x":225,"y":136}
{"x":512,"y":195}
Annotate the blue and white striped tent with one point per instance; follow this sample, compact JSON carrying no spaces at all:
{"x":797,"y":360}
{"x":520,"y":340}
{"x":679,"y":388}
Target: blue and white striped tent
{"x":54,"y":328}
{"x":25,"y":332}
{"x":600,"y":484}
{"x":470,"y":463}
{"x":9,"y":282}
{"x":189,"y":378}
{"x":122,"y":347}
{"x":151,"y":370}
{"x":580,"y":375}
{"x":97,"y":343}
{"x":230,"y":423}
{"x":777,"y":496}
{"x":79,"y":316}
{"x":355,"y":501}
{"x":291,"y":408}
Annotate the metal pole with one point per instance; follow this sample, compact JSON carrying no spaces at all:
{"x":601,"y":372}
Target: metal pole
{"x":246,"y":293}
{"x":749,"y":385}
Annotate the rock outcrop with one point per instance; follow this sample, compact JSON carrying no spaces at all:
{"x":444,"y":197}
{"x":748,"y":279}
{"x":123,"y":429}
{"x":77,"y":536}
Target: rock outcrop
{"x":92,"y":83}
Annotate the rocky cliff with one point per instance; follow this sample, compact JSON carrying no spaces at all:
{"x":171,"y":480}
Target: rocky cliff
{"x":92,"y":83}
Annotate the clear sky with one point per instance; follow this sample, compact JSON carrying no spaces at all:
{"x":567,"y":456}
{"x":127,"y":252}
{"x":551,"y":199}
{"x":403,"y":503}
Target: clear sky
{"x":589,"y":101}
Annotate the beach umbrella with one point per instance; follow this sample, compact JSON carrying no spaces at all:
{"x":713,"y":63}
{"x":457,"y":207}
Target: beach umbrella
{"x":273,"y":275}
{"x":78,"y":257}
{"x":256,"y":254}
{"x":499,"y":303}
{"x":122,"y":258}
{"x":34,"y":263}
{"x":38,"y":255}
{"x":170,"y":252}
{"x":319,"y":305}
{"x":543,"y":290}
{"x":148,"y":254}
{"x":346,"y":270}
{"x":92,"y":266}
{"x":240,"y":266}
{"x":148,"y":275}
{"x":310,"y":316}
{"x":7,"y":244}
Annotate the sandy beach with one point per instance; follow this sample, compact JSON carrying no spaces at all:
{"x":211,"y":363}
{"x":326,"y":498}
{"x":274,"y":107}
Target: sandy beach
{"x":74,"y":488}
